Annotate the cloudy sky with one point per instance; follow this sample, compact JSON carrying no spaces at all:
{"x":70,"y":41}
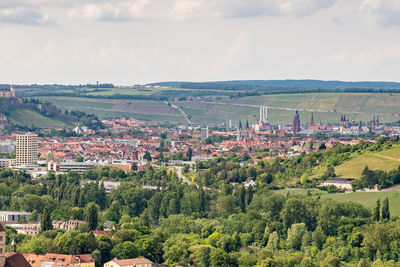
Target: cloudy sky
{"x":137,"y":41}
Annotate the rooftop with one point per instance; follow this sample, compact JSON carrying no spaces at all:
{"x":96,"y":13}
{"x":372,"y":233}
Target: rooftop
{"x":133,"y":261}
{"x":15,"y":213}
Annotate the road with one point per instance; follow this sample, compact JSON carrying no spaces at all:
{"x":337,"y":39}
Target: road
{"x":182,"y":177}
{"x":181,"y":111}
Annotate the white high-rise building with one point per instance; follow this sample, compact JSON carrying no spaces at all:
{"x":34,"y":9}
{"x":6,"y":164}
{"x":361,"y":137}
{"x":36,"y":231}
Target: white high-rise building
{"x":264,"y":115}
{"x":27,"y":149}
{"x":204,"y":133}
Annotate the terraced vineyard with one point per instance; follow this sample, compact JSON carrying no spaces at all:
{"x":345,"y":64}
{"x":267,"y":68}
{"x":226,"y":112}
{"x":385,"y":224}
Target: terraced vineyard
{"x":27,"y":117}
{"x":327,"y":107}
{"x":108,"y":108}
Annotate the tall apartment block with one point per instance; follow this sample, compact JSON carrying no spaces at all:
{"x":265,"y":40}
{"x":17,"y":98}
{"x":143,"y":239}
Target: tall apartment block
{"x":27,"y":149}
{"x":204,"y":133}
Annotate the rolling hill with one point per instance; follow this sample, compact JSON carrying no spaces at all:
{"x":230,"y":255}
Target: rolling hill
{"x":327,"y":107}
{"x":385,"y":160}
{"x":255,"y":84}
{"x":29,"y":117}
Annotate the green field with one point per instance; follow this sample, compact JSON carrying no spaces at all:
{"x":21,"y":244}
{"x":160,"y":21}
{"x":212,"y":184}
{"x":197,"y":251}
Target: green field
{"x":327,"y":107}
{"x":27,"y":117}
{"x":72,"y":103}
{"x":368,"y":199}
{"x":386,"y":160}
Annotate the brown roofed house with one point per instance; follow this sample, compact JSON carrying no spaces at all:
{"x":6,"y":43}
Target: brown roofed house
{"x":137,"y":262}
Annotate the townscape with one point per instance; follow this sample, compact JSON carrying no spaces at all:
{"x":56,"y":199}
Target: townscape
{"x":145,"y":193}
{"x":200,"y":133}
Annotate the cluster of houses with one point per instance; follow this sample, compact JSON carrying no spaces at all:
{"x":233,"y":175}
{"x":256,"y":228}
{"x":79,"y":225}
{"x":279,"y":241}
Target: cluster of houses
{"x":14,"y":259}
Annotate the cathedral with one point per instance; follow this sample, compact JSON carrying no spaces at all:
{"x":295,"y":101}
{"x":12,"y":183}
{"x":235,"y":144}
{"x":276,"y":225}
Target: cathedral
{"x":243,"y":132}
{"x":8,"y":93}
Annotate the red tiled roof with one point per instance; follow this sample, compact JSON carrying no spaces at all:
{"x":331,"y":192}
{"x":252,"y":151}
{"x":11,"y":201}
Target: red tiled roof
{"x":16,"y":260}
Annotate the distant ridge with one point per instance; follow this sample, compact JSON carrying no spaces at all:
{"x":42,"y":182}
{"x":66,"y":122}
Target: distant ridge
{"x":259,"y":84}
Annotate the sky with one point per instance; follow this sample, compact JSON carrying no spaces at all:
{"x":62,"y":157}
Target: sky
{"x":128,"y":42}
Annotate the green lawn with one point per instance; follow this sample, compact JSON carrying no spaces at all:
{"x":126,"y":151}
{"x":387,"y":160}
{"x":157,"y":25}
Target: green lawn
{"x":27,"y":117}
{"x":386,"y":160}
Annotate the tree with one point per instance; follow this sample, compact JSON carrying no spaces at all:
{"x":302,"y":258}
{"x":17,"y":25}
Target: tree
{"x":45,"y":221}
{"x":134,"y":166}
{"x":295,"y":235}
{"x":304,"y":179}
{"x":242,"y":199}
{"x":385,"y":209}
{"x":294,"y":211}
{"x":318,"y":238}
{"x":91,"y":243}
{"x":79,"y":159}
{"x":249,"y":194}
{"x":204,"y":256}
{"x":377,"y":210}
{"x":147,"y":156}
{"x":104,"y":244}
{"x":125,"y":250}
{"x":219,"y":258}
{"x":189,"y":154}
{"x":368,"y":178}
{"x":91,"y":216}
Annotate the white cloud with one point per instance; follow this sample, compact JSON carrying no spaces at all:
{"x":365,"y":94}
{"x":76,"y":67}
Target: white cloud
{"x":234,"y":54}
{"x":381,"y":12}
{"x":37,"y":11}
{"x":24,"y":15}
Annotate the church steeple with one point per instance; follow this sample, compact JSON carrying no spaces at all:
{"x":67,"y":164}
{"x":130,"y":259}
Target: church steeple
{"x":312,"y":119}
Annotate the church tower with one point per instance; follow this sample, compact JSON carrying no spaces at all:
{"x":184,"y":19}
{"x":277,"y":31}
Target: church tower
{"x":296,"y":123}
{"x":312,"y":119}
{"x":2,"y":246}
{"x":12,"y":91}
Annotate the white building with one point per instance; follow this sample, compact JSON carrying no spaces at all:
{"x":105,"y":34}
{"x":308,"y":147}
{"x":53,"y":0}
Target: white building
{"x":7,"y":163}
{"x":66,"y":166}
{"x":264,"y":115}
{"x":341,"y":183}
{"x":109,"y":186}
{"x":8,"y":92}
{"x":26,"y":228}
{"x":14,"y":216}
{"x":7,"y":146}
{"x":27,"y":149}
{"x":204,"y":133}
